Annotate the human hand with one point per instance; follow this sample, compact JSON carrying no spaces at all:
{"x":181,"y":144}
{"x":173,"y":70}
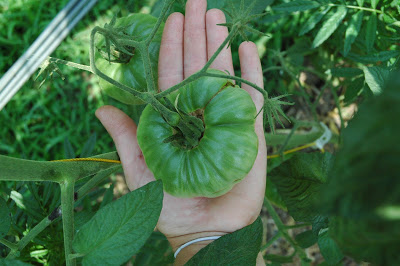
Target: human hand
{"x":187,"y":43}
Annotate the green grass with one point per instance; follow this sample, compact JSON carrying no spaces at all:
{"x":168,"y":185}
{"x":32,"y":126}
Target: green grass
{"x":35,"y":123}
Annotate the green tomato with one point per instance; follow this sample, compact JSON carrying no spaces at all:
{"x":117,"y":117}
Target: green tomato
{"x":226,"y":152}
{"x":131,"y":71}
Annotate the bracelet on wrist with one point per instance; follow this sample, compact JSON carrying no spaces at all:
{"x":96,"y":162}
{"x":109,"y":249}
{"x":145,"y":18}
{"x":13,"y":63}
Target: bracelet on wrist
{"x":195,"y":241}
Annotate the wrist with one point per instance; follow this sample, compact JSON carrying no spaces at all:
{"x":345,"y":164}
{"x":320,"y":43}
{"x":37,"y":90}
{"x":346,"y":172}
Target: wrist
{"x":189,"y":251}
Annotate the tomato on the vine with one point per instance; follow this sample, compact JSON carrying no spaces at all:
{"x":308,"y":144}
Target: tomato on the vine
{"x":226,"y":151}
{"x":127,"y":69}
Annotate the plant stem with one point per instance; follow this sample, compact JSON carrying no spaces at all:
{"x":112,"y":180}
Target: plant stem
{"x":302,"y":89}
{"x":94,"y":181}
{"x":8,"y":244}
{"x":29,"y":237}
{"x":151,"y":86}
{"x":220,"y":48}
{"x":77,"y":255}
{"x":140,"y":95}
{"x":271,"y":241}
{"x":282,"y":229}
{"x":338,"y":107}
{"x":297,"y":226}
{"x":282,"y":148}
{"x":67,"y":207}
{"x":70,"y":64}
{"x":166,"y":6}
{"x":82,"y":192}
{"x":262,"y":91}
{"x":186,"y":81}
{"x":203,"y":71}
{"x":359,"y":7}
{"x":272,"y":68}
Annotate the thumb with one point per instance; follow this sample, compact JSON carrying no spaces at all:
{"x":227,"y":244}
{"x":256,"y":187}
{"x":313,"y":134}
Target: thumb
{"x":123,"y":131}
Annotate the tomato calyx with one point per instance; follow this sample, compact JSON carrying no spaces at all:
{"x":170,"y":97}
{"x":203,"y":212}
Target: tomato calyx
{"x":116,"y":55}
{"x":190,"y":129}
{"x":188,"y":132}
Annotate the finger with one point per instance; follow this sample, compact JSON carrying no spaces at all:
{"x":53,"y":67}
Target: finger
{"x":254,"y":183}
{"x":195,"y":45}
{"x":170,"y":63}
{"x":123,"y":131}
{"x":215,"y":37}
{"x":251,"y":70}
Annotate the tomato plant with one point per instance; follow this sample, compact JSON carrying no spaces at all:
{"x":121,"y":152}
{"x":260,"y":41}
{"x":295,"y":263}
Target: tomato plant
{"x":225,"y":152}
{"x":198,"y":138}
{"x":125,"y":68}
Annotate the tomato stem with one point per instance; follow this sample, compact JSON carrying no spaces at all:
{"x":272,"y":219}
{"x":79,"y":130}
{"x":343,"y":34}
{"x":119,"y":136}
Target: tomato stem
{"x":70,"y":64}
{"x":29,"y":237}
{"x":42,"y":225}
{"x":186,"y":81}
{"x":8,"y":244}
{"x":67,"y":208}
{"x":151,"y":86}
{"x":231,"y":35}
{"x":166,"y":7}
{"x":283,"y":229}
{"x":96,"y":71}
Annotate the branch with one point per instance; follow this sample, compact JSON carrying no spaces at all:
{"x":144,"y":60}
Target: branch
{"x":67,"y":207}
{"x":283,"y":229}
{"x":29,"y":237}
{"x":164,"y":11}
{"x":70,"y":64}
{"x":140,"y":95}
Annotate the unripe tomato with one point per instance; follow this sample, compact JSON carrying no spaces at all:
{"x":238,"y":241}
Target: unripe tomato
{"x":226,"y":151}
{"x":131,"y":71}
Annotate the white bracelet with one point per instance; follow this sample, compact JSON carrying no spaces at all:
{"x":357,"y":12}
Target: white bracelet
{"x":195,"y":241}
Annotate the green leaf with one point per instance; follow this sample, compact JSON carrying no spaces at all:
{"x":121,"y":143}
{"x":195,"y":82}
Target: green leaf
{"x":5,"y":221}
{"x":360,"y":2}
{"x":395,"y":23}
{"x":376,"y":77}
{"x":117,"y":231}
{"x":330,"y":26}
{"x":364,"y":187}
{"x":313,"y":21}
{"x":28,"y":170}
{"x":272,"y":194}
{"x":299,"y":180}
{"x":319,"y":222}
{"x":374,"y":3}
{"x":259,"y":6}
{"x":8,"y":262}
{"x":345,"y":72}
{"x":373,"y":58}
{"x":81,"y":218}
{"x":157,"y":251}
{"x":352,"y":31}
{"x":278,"y":259}
{"x":297,"y":5}
{"x":88,"y":148}
{"x":329,"y":249}
{"x":68,"y":150}
{"x":238,"y":248}
{"x":306,"y":239}
{"x":108,"y":196}
{"x":370,"y":33}
{"x":354,"y":89}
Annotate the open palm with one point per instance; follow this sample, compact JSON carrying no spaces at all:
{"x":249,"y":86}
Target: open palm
{"x":187,"y":43}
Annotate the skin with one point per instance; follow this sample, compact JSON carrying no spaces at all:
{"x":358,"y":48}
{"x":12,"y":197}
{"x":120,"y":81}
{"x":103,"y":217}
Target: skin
{"x":187,"y":43}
